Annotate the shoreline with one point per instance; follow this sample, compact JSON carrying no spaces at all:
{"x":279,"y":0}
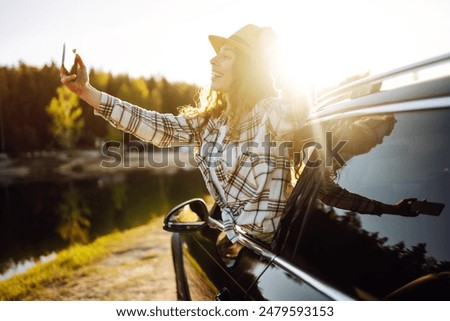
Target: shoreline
{"x":82,"y":164}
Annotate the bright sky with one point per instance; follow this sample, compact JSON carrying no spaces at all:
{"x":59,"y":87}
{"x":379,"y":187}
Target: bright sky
{"x":324,"y":40}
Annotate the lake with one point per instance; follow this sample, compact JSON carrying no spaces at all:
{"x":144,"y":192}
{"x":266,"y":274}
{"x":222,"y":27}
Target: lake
{"x":40,"y":218}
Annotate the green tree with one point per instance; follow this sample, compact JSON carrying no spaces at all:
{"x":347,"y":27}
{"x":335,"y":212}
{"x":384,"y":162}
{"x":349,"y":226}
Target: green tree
{"x":65,"y":112}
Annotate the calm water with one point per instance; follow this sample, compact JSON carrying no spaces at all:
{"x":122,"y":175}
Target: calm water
{"x":37,"y":219}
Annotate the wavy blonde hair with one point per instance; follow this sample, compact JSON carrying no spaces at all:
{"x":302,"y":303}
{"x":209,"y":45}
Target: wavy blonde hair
{"x":252,"y":82}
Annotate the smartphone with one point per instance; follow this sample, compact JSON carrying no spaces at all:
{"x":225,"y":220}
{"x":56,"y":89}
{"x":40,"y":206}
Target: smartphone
{"x":428,"y":208}
{"x":70,"y":57}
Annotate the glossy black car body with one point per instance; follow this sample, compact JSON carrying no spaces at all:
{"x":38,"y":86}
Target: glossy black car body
{"x":321,"y":252}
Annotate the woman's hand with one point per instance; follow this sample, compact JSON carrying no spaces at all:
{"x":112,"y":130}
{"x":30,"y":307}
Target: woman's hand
{"x":78,"y":82}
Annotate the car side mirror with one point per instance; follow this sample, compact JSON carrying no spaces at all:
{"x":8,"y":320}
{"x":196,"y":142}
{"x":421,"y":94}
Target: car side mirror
{"x":189,"y":216}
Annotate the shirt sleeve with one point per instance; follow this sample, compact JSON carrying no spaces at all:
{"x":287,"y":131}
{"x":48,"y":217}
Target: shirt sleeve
{"x":162,"y":130}
{"x":332,"y":194}
{"x":362,"y":134}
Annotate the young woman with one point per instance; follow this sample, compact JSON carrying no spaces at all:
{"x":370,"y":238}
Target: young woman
{"x":240,"y":129}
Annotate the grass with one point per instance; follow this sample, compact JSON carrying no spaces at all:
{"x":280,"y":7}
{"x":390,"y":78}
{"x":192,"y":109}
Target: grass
{"x":62,"y":267}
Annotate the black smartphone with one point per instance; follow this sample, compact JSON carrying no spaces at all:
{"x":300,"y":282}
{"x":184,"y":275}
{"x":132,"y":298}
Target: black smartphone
{"x":429,"y":208}
{"x":71,"y":57}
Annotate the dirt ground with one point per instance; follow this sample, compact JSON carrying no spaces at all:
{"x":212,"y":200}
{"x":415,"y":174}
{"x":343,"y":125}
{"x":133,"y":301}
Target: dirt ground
{"x":139,"y":268}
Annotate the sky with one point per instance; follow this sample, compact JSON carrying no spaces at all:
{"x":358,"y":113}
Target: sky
{"x":324,"y":41}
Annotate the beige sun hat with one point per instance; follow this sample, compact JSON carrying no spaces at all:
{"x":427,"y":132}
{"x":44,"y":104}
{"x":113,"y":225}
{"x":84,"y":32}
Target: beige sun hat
{"x":257,"y":42}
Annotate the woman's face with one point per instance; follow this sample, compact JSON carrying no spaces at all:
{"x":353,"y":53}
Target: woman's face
{"x":222,"y":69}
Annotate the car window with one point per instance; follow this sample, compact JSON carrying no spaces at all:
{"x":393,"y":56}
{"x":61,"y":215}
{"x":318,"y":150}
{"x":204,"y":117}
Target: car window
{"x":366,"y":255}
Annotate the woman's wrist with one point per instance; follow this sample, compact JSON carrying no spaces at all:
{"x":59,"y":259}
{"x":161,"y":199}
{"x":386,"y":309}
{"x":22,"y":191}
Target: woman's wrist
{"x":91,"y":95}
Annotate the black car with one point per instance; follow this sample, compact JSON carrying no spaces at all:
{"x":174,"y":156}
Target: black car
{"x":396,"y":129}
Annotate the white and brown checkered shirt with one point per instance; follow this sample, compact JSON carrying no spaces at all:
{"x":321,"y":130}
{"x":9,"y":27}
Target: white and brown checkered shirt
{"x":249,"y":179}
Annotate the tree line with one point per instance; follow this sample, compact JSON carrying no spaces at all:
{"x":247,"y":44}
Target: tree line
{"x":26,"y":92}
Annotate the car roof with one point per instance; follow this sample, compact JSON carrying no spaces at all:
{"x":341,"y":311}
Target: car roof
{"x":423,"y":85}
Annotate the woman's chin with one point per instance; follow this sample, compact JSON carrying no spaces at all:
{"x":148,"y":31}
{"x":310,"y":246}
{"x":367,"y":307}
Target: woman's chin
{"x":216,"y":86}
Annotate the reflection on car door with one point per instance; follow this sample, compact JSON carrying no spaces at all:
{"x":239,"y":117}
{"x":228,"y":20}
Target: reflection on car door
{"x":211,"y":276}
{"x":370,"y":256}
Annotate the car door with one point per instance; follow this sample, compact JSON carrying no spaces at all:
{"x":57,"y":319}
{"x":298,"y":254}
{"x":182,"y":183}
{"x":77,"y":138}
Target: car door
{"x":284,"y":280}
{"x":212,"y":274}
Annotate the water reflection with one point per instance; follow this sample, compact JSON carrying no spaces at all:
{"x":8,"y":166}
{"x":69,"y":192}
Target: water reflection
{"x":23,"y":266}
{"x":43,"y":217}
{"x":74,"y":223}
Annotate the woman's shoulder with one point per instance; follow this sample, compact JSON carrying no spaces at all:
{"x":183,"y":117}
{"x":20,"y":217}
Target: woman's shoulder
{"x":283,"y":109}
{"x":269,"y":102}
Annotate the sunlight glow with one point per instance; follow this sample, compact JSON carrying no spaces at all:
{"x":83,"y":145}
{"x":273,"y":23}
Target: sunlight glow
{"x":324,"y":41}
{"x":322,"y":51}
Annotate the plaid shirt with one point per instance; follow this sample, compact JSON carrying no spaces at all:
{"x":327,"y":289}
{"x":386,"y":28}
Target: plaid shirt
{"x":334,"y":195}
{"x":249,"y":179}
